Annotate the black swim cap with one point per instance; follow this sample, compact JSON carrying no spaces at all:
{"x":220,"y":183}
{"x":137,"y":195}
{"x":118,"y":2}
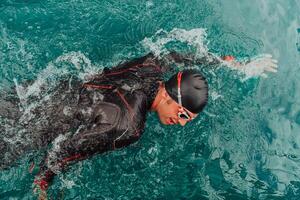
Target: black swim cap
{"x":194,"y":90}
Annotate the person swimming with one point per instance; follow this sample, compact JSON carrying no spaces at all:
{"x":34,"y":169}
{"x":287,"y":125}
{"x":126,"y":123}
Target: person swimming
{"x":109,"y":112}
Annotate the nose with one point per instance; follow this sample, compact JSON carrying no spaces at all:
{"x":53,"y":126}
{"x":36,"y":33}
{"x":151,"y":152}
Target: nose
{"x":182,"y":122}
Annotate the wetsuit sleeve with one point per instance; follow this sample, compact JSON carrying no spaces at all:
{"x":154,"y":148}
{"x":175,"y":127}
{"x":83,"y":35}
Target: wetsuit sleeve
{"x":97,"y":136}
{"x":131,"y":63}
{"x":70,"y":151}
{"x":192,"y":59}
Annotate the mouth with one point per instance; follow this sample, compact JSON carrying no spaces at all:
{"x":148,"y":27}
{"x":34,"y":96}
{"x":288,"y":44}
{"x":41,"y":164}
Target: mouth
{"x":171,"y":121}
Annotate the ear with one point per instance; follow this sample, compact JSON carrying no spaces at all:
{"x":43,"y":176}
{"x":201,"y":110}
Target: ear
{"x":165,"y":94}
{"x":167,"y":97}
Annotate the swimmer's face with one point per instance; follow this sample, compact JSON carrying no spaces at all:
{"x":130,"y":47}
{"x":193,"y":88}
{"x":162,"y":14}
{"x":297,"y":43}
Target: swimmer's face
{"x":168,"y":110}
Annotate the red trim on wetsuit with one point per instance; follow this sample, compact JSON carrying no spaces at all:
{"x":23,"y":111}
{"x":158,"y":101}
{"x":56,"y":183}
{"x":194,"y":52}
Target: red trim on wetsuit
{"x":97,"y":86}
{"x":126,"y":103}
{"x":118,"y":92}
{"x":71,"y":158}
{"x":30,"y":169}
{"x":42,"y":183}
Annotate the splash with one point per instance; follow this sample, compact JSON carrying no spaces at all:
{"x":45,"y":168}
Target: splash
{"x":195,"y":38}
{"x":80,"y":63}
{"x":68,"y":183}
{"x":73,"y":63}
{"x":52,"y":158}
{"x":38,"y":94}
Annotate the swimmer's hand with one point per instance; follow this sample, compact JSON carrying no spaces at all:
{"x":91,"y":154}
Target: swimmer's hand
{"x":42,"y":195}
{"x":40,"y":188}
{"x":257,"y":66}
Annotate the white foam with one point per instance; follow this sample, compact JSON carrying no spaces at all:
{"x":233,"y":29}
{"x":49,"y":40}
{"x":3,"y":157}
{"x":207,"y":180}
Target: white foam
{"x":194,"y":37}
{"x":83,"y":64}
{"x":52,"y":155}
{"x":67,"y":183}
{"x":78,"y":59}
{"x":197,"y":39}
{"x":48,"y":78}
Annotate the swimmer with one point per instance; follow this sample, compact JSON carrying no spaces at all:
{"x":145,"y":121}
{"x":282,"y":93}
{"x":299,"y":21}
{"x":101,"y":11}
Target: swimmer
{"x":108,"y":112}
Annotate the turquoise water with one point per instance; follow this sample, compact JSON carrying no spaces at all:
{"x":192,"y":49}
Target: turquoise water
{"x":245,"y":145}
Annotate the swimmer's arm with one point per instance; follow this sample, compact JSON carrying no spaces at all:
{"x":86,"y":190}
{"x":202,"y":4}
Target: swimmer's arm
{"x":192,"y":59}
{"x":131,"y":63}
{"x":122,"y":67}
{"x":46,"y":174}
{"x":253,"y":67}
{"x":81,"y":146}
{"x":41,"y":183}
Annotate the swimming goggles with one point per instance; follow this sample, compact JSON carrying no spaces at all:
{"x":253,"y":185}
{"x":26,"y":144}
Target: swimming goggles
{"x":181,"y":114}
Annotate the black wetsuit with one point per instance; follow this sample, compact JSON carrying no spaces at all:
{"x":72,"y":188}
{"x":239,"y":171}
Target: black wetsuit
{"x":83,"y":119}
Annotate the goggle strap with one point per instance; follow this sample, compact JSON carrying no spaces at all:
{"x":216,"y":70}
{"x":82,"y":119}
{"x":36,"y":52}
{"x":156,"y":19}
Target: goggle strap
{"x":179,"y":97}
{"x":178,"y":88}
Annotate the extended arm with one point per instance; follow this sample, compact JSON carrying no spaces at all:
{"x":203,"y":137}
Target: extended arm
{"x":192,"y":59}
{"x":257,"y":66}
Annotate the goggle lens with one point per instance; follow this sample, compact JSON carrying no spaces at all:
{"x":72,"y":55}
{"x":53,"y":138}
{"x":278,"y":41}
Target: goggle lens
{"x":184,"y":115}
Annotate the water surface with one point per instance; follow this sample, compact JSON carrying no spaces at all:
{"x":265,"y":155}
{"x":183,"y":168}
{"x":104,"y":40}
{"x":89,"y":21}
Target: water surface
{"x":245,"y":145}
